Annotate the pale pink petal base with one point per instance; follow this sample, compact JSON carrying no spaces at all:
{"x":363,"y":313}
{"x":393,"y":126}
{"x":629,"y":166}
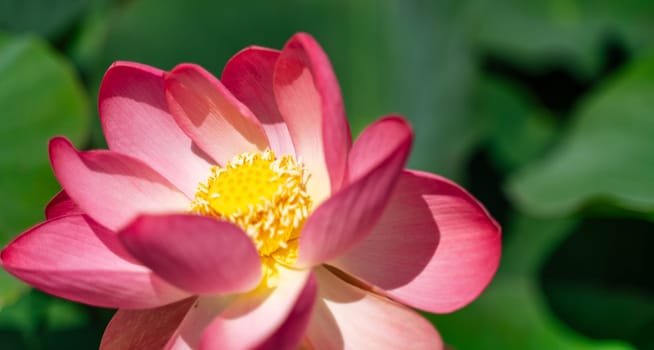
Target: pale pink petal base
{"x":267,"y":309}
{"x":435,"y":248}
{"x":346,"y":218}
{"x":346,"y":317}
{"x":144,"y":329}
{"x":248,"y":320}
{"x":309,"y":98}
{"x":110,"y":187}
{"x":291,"y":332}
{"x":199,"y":254}
{"x":65,"y":257}
{"x":221,"y":125}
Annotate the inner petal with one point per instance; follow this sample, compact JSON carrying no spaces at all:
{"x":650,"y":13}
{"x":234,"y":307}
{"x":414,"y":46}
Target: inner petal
{"x":267,"y":197}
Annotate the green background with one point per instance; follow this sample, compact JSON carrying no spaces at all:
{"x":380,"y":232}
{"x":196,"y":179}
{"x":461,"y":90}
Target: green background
{"x":543,"y":109}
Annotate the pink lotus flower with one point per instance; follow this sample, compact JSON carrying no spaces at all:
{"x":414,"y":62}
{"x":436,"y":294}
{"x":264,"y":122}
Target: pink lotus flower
{"x":237,"y":214}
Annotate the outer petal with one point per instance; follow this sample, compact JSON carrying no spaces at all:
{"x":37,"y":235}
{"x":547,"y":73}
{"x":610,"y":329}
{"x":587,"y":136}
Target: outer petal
{"x":346,"y":317}
{"x":249,"y":76}
{"x":61,"y":205}
{"x":250,"y":319}
{"x":66,"y":257}
{"x":135,"y":119}
{"x":144,"y":329}
{"x":199,"y":254}
{"x":309,"y":98}
{"x":347,"y":217}
{"x":110,"y":187}
{"x":220,"y":124}
{"x":435,"y":248}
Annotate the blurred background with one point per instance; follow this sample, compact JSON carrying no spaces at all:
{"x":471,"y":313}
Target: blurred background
{"x":543,"y":109}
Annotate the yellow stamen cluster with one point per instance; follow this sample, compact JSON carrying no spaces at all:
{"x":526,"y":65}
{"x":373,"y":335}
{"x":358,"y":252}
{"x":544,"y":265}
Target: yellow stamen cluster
{"x":264,"y":195}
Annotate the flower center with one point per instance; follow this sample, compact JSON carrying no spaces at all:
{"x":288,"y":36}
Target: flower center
{"x":264,"y":195}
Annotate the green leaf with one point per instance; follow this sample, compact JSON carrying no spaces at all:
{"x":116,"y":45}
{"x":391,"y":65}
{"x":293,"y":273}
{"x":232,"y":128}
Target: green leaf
{"x":432,"y":78}
{"x":531,"y":241}
{"x":40,"y":98}
{"x":536,"y":34}
{"x":25,"y":315}
{"x":596,"y":310}
{"x":598,"y":275}
{"x":11,"y":289}
{"x":36,"y":316}
{"x":607,"y":156}
{"x":62,"y":315}
{"x":49,"y":18}
{"x":518,"y":128}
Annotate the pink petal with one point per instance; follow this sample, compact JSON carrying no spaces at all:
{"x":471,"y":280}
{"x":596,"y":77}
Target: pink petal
{"x":199,"y":254}
{"x":220,"y":124}
{"x":309,"y":99}
{"x":136,"y":121}
{"x":144,"y":329}
{"x":61,"y":205}
{"x":346,"y":317}
{"x":66,"y":257}
{"x":346,"y":218}
{"x":290,"y":334}
{"x":249,"y":76}
{"x":110,"y":187}
{"x":253,"y":318}
{"x":435,"y":248}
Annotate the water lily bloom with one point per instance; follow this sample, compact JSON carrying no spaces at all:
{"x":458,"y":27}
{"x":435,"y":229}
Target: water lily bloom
{"x":238,"y":214}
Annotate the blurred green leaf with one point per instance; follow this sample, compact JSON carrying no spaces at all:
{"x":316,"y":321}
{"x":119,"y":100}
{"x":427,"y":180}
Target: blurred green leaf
{"x":531,"y":242}
{"x":37,"y":314}
{"x":92,"y":30}
{"x":10,"y":289}
{"x":604,"y":313}
{"x":606,"y":156}
{"x":432,"y":76}
{"x":26,"y":314}
{"x":512,"y":313}
{"x":40,"y":98}
{"x":537,"y":34}
{"x":61,"y":315}
{"x":596,"y":277}
{"x":519,"y":129}
{"x":49,"y":18}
